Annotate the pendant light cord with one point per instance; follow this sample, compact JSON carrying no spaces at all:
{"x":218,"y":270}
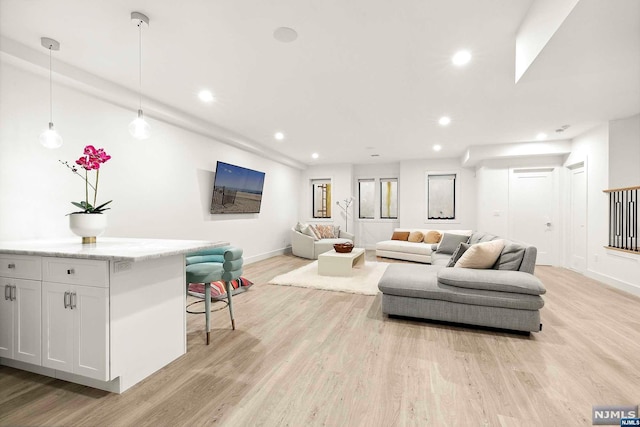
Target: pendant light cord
{"x":50,"y":89}
{"x":140,"y":63}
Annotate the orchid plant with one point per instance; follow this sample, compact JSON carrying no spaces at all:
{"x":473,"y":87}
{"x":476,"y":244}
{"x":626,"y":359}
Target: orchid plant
{"x":91,"y":160}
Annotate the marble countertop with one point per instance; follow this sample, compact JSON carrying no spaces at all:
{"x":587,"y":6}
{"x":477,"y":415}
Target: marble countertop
{"x":107,"y":248}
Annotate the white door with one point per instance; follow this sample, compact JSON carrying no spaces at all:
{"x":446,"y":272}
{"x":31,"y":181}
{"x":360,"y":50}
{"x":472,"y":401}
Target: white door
{"x":27,"y":343}
{"x":532,"y":211}
{"x":90,"y":307}
{"x":6,"y":319}
{"x":57,"y":327}
{"x":578,"y":220}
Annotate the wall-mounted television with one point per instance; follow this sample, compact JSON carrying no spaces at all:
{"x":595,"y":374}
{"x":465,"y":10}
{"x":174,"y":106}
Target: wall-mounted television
{"x":236,"y":190}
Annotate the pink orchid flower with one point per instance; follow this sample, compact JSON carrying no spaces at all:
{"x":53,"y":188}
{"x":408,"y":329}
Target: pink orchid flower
{"x":91,"y":159}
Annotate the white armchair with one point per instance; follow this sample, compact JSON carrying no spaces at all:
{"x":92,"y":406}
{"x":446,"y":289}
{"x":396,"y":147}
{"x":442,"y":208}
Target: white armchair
{"x":307,"y":247}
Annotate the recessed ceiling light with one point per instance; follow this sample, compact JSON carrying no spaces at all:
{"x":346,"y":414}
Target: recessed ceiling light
{"x":285,"y":34}
{"x":205,"y":96}
{"x":461,"y":58}
{"x":279,"y":136}
{"x":375,"y":155}
{"x":444,"y":121}
{"x":541,"y":136}
{"x":315,"y":155}
{"x":437,"y":147}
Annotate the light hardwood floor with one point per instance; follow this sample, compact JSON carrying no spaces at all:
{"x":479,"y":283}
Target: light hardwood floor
{"x":307,"y":357}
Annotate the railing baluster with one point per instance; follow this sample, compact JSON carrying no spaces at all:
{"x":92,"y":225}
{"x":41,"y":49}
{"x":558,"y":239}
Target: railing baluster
{"x":624,"y":217}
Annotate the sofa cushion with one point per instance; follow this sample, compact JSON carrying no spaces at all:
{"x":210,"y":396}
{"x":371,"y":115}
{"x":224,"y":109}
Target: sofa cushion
{"x":460,"y":250}
{"x":432,"y":237}
{"x":420,"y":281}
{"x":481,"y":255}
{"x":449,"y":243}
{"x":415,"y":237}
{"x":308,"y":230}
{"x":481,"y":236}
{"x":511,"y":257}
{"x":406,"y":247}
{"x":400,"y":235}
{"x":440,"y":259}
{"x":492,"y":280}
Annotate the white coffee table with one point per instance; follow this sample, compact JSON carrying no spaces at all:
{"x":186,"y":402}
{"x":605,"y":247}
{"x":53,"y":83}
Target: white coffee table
{"x":333,"y":263}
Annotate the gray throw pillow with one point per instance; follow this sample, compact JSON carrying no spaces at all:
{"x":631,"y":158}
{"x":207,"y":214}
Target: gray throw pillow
{"x":450,"y":242}
{"x":462,"y":248}
{"x":510,"y":258}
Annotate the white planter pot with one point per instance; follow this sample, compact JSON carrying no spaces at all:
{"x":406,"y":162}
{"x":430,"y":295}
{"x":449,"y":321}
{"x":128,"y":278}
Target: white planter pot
{"x":88,"y":226}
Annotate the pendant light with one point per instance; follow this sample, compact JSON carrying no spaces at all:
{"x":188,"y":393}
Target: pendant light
{"x":49,"y":137}
{"x":139,"y":128}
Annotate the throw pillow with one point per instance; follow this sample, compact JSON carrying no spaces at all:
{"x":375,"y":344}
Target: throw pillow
{"x":416,"y":236}
{"x":432,"y":237}
{"x":325,"y":231}
{"x":218,"y":290}
{"x":462,"y":248}
{"x":400,"y":235}
{"x":510,"y":258}
{"x":481,"y":255}
{"x":449,"y":243}
{"x":298,"y":226}
{"x":307,"y":230}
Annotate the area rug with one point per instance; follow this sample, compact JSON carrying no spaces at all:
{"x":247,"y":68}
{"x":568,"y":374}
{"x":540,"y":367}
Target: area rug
{"x":364,"y":279}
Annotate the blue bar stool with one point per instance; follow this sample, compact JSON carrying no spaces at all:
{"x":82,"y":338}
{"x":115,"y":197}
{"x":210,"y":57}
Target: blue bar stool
{"x":211,"y":265}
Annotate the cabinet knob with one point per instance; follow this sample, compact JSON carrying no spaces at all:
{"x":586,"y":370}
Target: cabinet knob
{"x":71,"y":271}
{"x":12,"y":265}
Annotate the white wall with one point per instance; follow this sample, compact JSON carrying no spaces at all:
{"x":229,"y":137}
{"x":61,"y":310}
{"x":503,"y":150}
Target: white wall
{"x":161,"y":187}
{"x":371,"y":231}
{"x":624,"y":152}
{"x":413,"y":194}
{"x":612,"y":267}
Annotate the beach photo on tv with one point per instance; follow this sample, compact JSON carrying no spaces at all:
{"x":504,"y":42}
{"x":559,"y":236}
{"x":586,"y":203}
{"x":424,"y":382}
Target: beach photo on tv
{"x":237,"y":189}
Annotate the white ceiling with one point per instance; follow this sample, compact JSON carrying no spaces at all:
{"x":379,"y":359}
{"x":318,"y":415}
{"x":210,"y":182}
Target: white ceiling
{"x":364,"y":76}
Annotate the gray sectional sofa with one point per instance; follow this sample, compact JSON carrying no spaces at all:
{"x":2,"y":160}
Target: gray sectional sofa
{"x":508,"y":296}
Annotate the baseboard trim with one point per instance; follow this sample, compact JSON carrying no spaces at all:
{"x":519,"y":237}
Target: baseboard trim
{"x":611,"y":281}
{"x":110,"y":386}
{"x":267,"y":255}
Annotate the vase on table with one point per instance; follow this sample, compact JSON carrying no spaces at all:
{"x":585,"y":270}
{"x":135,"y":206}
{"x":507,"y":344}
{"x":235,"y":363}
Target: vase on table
{"x":88,"y":225}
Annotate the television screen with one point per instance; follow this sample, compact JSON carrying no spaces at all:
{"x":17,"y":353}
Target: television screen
{"x":236,"y":190}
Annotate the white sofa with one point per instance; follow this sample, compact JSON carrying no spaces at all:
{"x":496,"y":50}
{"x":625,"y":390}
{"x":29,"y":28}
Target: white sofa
{"x":306,"y":246}
{"x":409,"y":251}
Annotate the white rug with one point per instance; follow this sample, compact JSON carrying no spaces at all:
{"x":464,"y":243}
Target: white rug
{"x":364,"y":279}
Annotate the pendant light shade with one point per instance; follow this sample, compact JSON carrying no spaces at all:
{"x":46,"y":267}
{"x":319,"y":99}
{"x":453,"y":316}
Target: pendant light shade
{"x":139,"y":128}
{"x":50,"y":138}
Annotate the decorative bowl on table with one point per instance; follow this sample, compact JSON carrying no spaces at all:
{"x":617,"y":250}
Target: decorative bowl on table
{"x":343,"y":248}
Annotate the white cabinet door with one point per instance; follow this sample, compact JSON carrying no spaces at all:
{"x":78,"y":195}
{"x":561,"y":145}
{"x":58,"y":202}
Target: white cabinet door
{"x":6,"y":319}
{"x":20,"y":320}
{"x":27,"y":314}
{"x":57,"y":327}
{"x":91,"y":340}
{"x":75,"y":328}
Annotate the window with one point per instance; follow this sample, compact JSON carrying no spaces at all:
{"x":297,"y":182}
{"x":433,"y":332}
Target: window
{"x":366,"y":198}
{"x":389,"y":198}
{"x":321,"y":190}
{"x":441,"y":196}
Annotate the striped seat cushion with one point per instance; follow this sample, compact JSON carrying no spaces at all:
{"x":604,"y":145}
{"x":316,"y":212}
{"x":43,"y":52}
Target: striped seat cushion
{"x":218,"y":290}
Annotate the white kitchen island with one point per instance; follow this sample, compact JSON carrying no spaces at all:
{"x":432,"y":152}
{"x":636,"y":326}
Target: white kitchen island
{"x":106,"y":315}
